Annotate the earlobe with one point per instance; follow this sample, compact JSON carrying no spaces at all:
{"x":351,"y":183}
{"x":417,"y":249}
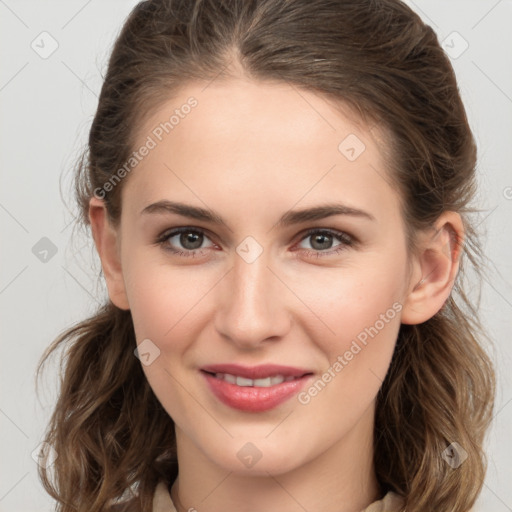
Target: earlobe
{"x":106,"y":240}
{"x":436,"y":268}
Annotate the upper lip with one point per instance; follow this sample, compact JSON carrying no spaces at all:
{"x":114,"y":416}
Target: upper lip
{"x":256,"y":372}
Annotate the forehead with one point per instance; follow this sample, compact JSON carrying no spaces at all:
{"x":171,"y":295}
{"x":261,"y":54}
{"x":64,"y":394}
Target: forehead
{"x":259,"y":141}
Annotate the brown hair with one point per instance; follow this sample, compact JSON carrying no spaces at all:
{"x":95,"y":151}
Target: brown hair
{"x":376,"y":56}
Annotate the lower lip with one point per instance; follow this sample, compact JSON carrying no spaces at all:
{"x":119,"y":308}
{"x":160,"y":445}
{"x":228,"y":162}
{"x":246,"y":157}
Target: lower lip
{"x":251,"y":398}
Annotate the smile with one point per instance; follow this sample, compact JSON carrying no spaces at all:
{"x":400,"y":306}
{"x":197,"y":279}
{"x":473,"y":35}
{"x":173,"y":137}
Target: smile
{"x":268,"y":388}
{"x":259,"y":383}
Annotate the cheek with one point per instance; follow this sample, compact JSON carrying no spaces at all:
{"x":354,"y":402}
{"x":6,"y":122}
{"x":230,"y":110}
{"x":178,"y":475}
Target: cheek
{"x":366,"y":321}
{"x":345,"y":302}
{"x":161,"y":297}
{"x":362,"y":307}
{"x":165,"y":307}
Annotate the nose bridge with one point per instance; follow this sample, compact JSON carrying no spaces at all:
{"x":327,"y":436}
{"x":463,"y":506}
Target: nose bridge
{"x":251,"y":303}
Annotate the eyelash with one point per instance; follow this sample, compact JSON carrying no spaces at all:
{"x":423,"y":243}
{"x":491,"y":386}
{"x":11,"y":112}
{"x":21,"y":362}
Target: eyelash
{"x":345,"y":239}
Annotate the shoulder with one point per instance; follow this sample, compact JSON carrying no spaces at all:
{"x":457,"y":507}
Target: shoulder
{"x":162,"y":502}
{"x":391,"y":502}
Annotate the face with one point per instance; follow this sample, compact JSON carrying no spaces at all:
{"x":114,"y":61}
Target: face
{"x":259,"y":283}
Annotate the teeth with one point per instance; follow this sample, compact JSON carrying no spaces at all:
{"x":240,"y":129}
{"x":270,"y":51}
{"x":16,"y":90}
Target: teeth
{"x":228,"y":377}
{"x":259,"y":383}
{"x":242,"y":381}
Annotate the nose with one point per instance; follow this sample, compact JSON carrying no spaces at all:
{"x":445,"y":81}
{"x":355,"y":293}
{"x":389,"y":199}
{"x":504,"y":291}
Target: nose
{"x":252,"y":304}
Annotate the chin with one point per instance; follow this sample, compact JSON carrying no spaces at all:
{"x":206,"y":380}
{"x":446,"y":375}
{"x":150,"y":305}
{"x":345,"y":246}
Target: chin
{"x":254,"y":456}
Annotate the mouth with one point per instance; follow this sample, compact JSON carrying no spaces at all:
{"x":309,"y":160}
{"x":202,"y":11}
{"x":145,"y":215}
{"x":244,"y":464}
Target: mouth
{"x":258,"y":383}
{"x":254,"y":389}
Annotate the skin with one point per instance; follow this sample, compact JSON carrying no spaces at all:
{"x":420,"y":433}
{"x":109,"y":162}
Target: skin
{"x":251,"y":152}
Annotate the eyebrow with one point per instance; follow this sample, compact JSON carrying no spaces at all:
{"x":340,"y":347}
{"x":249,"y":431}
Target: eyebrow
{"x":289,"y":218}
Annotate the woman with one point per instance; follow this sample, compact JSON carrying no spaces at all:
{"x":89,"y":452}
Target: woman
{"x":277,"y":191}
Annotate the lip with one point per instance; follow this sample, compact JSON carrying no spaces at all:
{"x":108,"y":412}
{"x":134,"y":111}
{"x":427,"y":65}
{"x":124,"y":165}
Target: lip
{"x":252,"y":398}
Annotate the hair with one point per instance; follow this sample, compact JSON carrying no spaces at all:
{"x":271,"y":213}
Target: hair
{"x":112,"y":436}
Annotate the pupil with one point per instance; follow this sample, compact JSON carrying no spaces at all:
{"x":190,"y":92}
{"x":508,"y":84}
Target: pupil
{"x":326,"y":239}
{"x":194,"y":239}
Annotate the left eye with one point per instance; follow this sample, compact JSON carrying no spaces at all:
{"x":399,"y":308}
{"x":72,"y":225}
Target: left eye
{"x":191,"y":241}
{"x":322,"y":240}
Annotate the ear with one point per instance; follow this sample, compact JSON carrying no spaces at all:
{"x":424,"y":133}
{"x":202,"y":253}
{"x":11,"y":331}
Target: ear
{"x":435,"y":269}
{"x":106,"y":239}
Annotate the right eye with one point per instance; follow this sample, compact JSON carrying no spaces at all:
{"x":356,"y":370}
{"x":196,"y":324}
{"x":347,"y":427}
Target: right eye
{"x":190,"y":240}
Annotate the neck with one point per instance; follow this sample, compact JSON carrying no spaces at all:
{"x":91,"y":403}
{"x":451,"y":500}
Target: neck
{"x":340,"y":479}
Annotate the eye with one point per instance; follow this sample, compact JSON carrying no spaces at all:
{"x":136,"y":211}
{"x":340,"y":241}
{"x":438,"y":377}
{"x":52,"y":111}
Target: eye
{"x":189,"y":239}
{"x":188,"y":242}
{"x":321,"y":242}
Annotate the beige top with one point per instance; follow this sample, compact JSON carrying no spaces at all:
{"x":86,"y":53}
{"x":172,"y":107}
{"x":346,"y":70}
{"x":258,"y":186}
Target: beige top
{"x":390,"y":503}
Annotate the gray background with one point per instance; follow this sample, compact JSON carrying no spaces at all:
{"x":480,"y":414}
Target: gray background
{"x":47,"y":104}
